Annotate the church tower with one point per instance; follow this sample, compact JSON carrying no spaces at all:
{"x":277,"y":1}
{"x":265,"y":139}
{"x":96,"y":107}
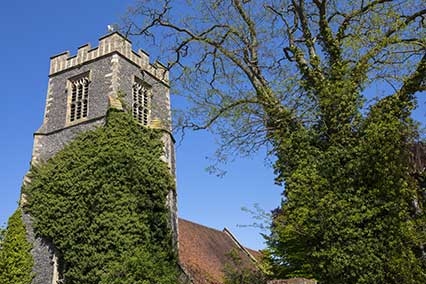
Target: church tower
{"x":83,"y":86}
{"x":81,"y":89}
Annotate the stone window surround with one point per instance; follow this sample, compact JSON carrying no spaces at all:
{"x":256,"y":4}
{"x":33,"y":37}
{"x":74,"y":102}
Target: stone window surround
{"x":145,"y":106}
{"x":69,"y":87}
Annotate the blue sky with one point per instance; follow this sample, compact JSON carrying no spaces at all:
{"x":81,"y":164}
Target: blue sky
{"x":32,"y":31}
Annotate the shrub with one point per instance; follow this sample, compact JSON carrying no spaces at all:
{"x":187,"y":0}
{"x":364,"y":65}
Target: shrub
{"x":16,"y":261}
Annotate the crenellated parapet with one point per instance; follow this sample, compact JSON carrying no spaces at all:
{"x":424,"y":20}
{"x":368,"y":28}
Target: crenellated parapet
{"x":111,"y":43}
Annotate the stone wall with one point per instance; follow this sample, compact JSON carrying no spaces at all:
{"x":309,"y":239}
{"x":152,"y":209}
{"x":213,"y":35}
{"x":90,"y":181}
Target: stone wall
{"x":112,"y":71}
{"x":42,"y":253}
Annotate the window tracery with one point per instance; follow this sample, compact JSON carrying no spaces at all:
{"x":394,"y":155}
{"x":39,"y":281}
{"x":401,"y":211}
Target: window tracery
{"x":79,"y":103}
{"x":141,"y":102}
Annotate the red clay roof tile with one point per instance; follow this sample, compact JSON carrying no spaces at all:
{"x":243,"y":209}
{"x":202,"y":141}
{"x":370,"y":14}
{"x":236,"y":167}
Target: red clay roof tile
{"x":203,"y":252}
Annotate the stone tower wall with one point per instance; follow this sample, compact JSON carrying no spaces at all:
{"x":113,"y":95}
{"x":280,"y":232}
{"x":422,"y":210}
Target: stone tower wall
{"x":112,"y":68}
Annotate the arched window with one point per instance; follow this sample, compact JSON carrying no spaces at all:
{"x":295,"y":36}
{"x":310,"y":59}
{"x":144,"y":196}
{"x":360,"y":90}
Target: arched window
{"x":79,"y":103}
{"x":141,"y":102}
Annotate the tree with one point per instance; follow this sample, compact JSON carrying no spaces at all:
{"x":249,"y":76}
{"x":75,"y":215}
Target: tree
{"x":16,"y":262}
{"x":297,"y":75}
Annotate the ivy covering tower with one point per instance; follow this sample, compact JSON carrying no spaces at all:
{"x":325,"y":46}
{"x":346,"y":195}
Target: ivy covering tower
{"x":100,"y":197}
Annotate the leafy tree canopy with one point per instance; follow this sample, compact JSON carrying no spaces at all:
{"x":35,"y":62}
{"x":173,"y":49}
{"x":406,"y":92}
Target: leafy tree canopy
{"x":297,"y":75}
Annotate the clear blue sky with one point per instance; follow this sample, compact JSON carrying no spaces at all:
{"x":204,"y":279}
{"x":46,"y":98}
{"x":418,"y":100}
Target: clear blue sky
{"x":32,"y":31}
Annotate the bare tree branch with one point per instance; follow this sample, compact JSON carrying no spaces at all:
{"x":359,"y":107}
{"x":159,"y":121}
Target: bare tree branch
{"x":356,"y":13}
{"x":388,"y":39}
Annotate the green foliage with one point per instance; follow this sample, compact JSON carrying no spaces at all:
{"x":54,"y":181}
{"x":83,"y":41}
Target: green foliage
{"x":237,"y":272}
{"x":347,"y":216}
{"x":295,"y":75}
{"x":141,"y":266}
{"x":16,"y":262}
{"x":102,"y":202}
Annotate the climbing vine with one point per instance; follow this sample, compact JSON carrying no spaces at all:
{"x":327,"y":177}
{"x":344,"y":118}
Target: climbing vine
{"x":102,"y":202}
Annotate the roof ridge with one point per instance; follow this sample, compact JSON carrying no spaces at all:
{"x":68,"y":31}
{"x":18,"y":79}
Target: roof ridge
{"x":210,"y":228}
{"x":237,"y":242}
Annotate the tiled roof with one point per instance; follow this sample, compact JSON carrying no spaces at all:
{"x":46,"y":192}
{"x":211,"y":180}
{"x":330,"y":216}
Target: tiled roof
{"x":257,"y":254}
{"x":203,"y":252}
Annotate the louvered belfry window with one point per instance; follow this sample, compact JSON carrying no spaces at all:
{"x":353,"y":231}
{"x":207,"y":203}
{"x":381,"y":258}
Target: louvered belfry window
{"x":141,"y":102}
{"x":79,"y":98}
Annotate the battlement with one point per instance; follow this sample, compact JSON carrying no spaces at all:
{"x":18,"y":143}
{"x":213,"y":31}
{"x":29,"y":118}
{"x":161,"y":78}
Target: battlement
{"x":113,"y":42}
